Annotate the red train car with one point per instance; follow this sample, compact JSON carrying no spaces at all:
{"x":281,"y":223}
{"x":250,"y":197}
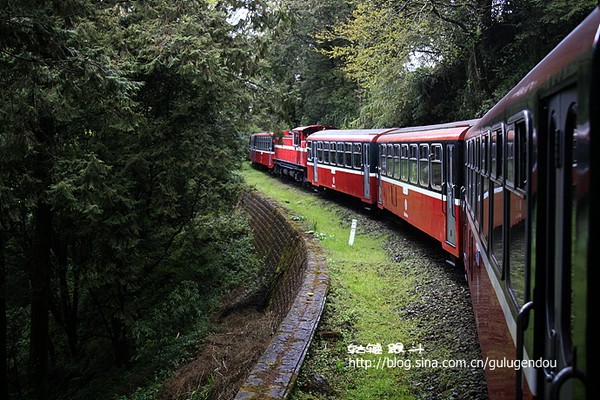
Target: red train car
{"x":261,"y":150}
{"x":528,"y":225}
{"x":345,"y":160}
{"x":291,"y":153}
{"x":419,"y":178}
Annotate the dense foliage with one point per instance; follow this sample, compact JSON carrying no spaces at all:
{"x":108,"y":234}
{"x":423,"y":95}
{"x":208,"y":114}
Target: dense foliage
{"x":118,"y":144}
{"x":416,"y":62}
{"x":427,"y":61}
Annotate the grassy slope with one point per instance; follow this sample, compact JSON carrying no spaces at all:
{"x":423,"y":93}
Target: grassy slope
{"x":366,"y":289}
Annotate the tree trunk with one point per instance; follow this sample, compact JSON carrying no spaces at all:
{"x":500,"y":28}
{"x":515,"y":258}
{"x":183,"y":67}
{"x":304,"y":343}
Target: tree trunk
{"x":3,"y":337}
{"x":40,"y":297}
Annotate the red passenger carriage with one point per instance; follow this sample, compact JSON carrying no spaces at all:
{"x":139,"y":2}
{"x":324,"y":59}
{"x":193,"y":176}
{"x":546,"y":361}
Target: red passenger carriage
{"x":527,"y":220}
{"x":345,"y":160}
{"x":419,"y":178}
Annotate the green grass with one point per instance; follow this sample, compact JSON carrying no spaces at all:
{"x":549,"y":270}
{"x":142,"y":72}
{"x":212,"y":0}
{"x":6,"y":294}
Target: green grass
{"x":366,"y":290}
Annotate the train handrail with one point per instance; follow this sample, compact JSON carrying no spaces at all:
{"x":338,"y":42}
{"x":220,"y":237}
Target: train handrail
{"x":564,"y":375}
{"x":444,"y":191}
{"x":521,"y":325}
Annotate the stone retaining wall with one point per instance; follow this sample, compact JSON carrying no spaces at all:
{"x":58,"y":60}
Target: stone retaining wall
{"x":298,"y":296}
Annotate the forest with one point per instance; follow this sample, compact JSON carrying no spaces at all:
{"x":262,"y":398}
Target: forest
{"x":123,"y":126}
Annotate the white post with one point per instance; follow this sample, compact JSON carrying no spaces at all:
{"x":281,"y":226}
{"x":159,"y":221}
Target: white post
{"x":352,"y":232}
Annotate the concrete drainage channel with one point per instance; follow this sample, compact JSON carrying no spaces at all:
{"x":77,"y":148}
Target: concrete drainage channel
{"x":300,"y":296}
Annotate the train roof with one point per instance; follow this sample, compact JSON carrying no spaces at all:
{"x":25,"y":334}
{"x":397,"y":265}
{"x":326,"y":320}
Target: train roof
{"x":262,"y":134}
{"x":349,"y":135}
{"x":440,"y":132}
{"x":311,"y":128}
{"x":558,"y":64}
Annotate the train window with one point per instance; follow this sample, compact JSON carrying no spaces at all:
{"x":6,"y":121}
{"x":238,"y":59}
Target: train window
{"x":521,"y":133}
{"x":500,"y":154}
{"x":397,"y":161}
{"x":484,"y":153}
{"x":424,"y":165}
{"x":436,"y":166}
{"x":413,"y":173}
{"x":309,"y":152}
{"x":404,"y":162}
{"x":348,"y":155}
{"x":357,"y":159}
{"x":296,"y":136}
{"x":340,"y":154}
{"x":516,"y":246}
{"x":333,"y":153}
{"x":493,"y":154}
{"x":476,"y":183}
{"x":326,"y":152}
{"x":497,"y":228}
{"x":477,"y":154}
{"x":382,"y":159}
{"x":390,"y":160}
{"x":320,"y":151}
{"x":510,"y":155}
{"x":485,"y":208}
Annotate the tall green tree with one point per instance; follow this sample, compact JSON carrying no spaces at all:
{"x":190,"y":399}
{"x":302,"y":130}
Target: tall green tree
{"x":300,"y":85}
{"x":424,"y":61}
{"x":119,"y":139}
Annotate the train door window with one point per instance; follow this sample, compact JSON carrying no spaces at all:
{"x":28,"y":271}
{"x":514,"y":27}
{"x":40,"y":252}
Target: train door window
{"x":522,"y":132}
{"x":404,"y":162}
{"x":470,"y":175}
{"x":348,"y":155}
{"x":485,"y":188}
{"x":382,"y":159}
{"x":320,"y":151}
{"x":516,"y":246}
{"x":516,"y":140}
{"x":467,"y":177}
{"x":340,"y":154}
{"x":436,"y":166}
{"x":497,"y":228}
{"x":309,"y":151}
{"x":424,"y":165}
{"x":413,"y":173}
{"x":500,"y":153}
{"x":390,"y":160}
{"x":296,"y":136}
{"x":333,"y":153}
{"x":516,"y":173}
{"x":397,"y":161}
{"x":510,"y":155}
{"x":357,"y":155}
{"x":493,"y":154}
{"x":477,"y":182}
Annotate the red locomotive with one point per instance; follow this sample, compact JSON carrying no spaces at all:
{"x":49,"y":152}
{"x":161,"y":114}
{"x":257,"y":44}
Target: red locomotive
{"x":291,"y":153}
{"x":508,"y":196}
